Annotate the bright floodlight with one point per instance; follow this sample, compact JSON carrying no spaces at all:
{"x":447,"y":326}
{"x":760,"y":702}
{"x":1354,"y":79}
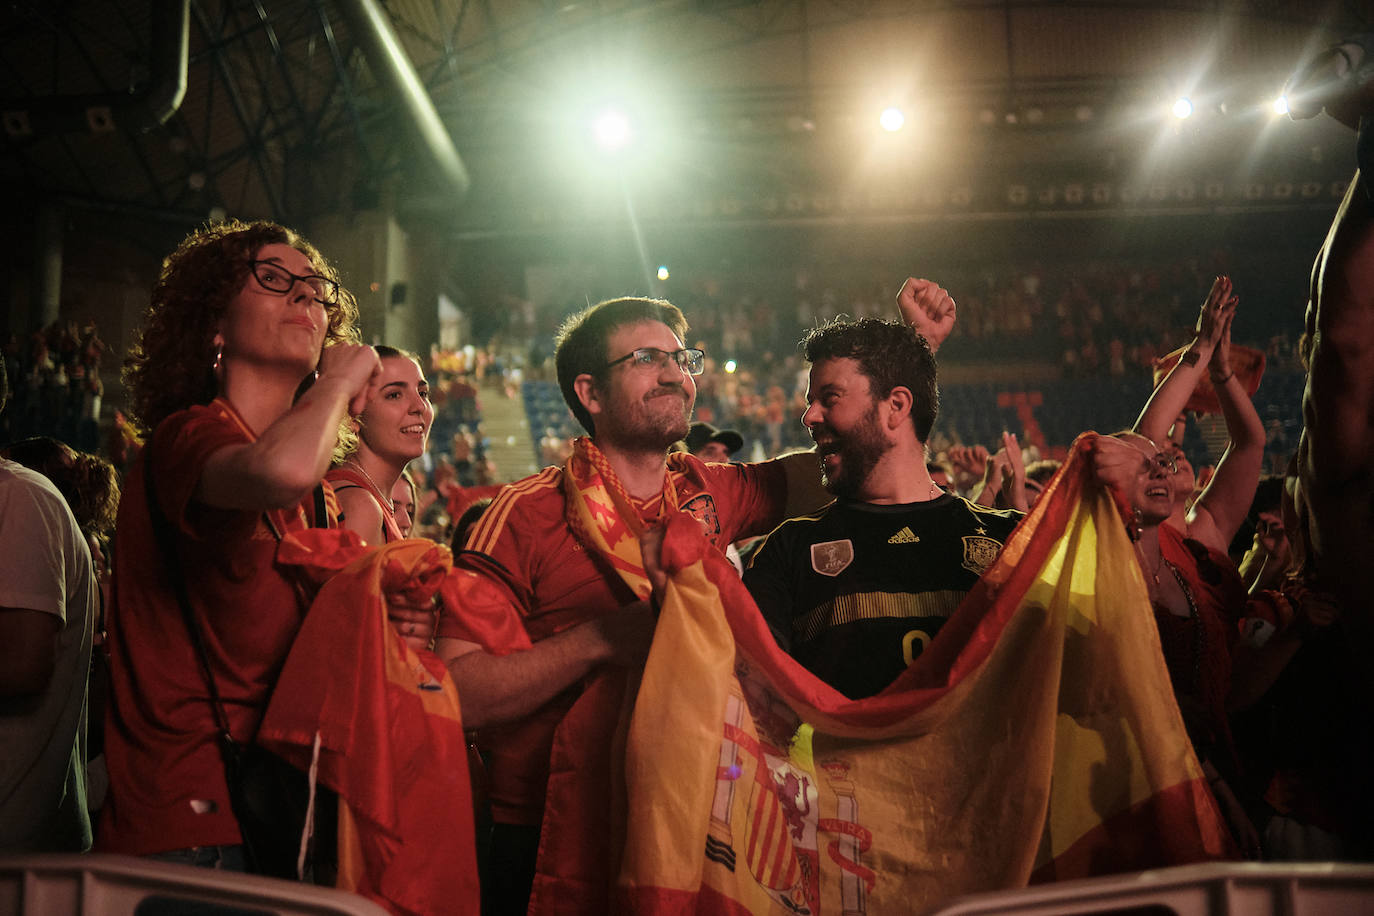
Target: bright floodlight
{"x":1183,"y":108}
{"x":1281,"y":105}
{"x":612,"y":130}
{"x":663,"y":272}
{"x":892,"y":119}
{"x":730,"y":365}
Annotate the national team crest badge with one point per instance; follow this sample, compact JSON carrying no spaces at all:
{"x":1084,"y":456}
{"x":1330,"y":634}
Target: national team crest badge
{"x":703,"y":508}
{"x":831,"y":558}
{"x":979,"y":553}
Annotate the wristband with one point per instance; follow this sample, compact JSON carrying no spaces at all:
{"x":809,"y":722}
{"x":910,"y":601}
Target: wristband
{"x":1190,"y":357}
{"x":1223,"y":380}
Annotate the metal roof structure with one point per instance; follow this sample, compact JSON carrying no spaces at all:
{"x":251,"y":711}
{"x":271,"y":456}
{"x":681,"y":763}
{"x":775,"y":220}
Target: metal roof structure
{"x":290,"y":109}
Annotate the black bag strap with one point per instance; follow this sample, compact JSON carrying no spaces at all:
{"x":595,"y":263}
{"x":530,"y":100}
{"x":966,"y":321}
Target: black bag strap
{"x":232,"y":753}
{"x":166,"y":543}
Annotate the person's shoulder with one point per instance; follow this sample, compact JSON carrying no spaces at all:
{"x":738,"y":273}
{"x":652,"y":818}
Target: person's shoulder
{"x":1008,"y":518}
{"x":23,"y":482}
{"x":195,"y":414}
{"x":25,"y":493}
{"x":534,"y":502}
{"x":797,"y":527}
{"x":730,"y":480}
{"x":811,"y":519}
{"x":538,"y":489}
{"x":198,"y":421}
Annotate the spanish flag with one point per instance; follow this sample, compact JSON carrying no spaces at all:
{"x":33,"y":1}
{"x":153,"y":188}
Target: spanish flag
{"x":1036,"y":739}
{"x":1246,"y":362}
{"x":380,"y":723}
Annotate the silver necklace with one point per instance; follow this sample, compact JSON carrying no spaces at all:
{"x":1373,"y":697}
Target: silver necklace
{"x":390,"y":504}
{"x":1194,"y":619}
{"x":1154,"y":573}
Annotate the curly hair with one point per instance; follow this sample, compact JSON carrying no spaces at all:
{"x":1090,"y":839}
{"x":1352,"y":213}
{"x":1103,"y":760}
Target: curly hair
{"x":581,"y":342}
{"x":88,"y":482}
{"x":890,"y":355}
{"x":169,"y":367}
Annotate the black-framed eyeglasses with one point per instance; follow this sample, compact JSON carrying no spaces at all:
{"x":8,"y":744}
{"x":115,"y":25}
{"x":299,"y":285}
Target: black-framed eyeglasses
{"x":274,"y":278}
{"x":690,"y":360}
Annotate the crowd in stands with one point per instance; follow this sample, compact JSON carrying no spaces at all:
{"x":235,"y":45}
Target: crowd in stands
{"x":54,"y":375}
{"x":1104,"y":325}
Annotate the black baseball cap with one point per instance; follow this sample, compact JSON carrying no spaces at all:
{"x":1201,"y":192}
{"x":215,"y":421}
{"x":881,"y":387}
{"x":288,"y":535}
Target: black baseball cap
{"x":702,"y":433}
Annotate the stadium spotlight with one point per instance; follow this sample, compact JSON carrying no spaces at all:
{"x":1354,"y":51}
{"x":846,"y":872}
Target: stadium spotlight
{"x":892,"y":119}
{"x":1183,"y":107}
{"x":731,"y":365}
{"x":663,"y":271}
{"x":1281,"y":105}
{"x":612,"y":130}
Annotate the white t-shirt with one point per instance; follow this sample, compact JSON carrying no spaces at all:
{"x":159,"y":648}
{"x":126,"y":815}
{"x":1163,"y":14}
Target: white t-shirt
{"x":45,"y":566}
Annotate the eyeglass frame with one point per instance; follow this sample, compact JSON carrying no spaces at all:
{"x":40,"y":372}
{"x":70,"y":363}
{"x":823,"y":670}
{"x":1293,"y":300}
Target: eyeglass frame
{"x":329,"y":283}
{"x":679,"y":356}
{"x":1163,"y":460}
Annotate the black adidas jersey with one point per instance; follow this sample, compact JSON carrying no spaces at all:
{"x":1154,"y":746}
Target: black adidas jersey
{"x":856,"y":591}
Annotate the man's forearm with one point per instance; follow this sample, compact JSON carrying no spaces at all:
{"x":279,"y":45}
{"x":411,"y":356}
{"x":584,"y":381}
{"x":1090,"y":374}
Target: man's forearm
{"x":496,"y":689}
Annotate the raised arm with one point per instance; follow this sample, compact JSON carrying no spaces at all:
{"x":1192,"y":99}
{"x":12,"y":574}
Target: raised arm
{"x":1221,"y":508}
{"x":1169,"y":397}
{"x":928,"y":308}
{"x":291,"y":456}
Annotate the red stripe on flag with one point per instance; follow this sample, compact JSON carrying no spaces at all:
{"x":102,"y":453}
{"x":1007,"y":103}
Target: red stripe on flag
{"x":782,"y":848}
{"x":1129,"y":840}
{"x":755,"y":827}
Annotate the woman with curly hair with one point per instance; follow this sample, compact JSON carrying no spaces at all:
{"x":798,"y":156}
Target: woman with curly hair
{"x":241,"y":315}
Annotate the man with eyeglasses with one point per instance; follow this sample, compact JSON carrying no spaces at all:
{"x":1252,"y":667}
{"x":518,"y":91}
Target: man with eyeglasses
{"x":559,"y":550}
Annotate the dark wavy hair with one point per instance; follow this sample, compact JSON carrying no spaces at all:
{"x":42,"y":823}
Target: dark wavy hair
{"x":582,"y":342}
{"x":889,"y":354}
{"x":87,"y":482}
{"x":169,"y":367}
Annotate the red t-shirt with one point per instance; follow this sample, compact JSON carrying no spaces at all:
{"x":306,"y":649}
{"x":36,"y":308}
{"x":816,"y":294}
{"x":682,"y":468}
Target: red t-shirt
{"x":167,"y":785}
{"x":523,"y":542}
{"x":1198,"y":651}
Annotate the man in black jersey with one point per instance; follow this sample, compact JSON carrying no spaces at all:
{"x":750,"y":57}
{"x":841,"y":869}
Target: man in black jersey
{"x":857,"y":590}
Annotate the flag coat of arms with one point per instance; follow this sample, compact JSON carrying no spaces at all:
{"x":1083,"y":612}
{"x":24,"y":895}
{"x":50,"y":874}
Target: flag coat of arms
{"x":1035,"y":739}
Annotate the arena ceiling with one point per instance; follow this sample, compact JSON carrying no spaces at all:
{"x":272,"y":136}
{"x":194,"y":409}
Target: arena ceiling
{"x":287,"y":111}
